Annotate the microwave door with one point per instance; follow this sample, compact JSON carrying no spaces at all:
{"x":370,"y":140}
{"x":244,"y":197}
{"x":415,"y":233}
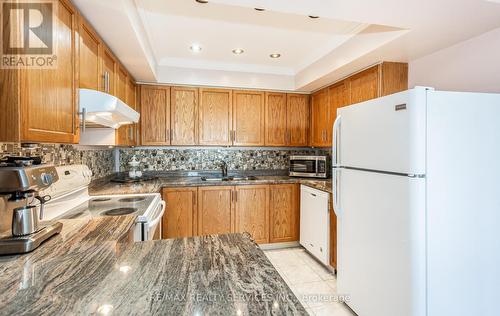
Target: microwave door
{"x":303,"y":166}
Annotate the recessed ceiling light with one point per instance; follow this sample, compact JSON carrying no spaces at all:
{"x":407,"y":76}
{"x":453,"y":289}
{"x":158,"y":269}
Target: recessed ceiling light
{"x":202,"y":1}
{"x":314,"y":16}
{"x":238,"y":51}
{"x":195,"y":48}
{"x":275,"y":55}
{"x":260,"y":9}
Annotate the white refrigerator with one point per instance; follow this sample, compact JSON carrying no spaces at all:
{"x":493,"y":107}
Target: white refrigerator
{"x":417,"y":197}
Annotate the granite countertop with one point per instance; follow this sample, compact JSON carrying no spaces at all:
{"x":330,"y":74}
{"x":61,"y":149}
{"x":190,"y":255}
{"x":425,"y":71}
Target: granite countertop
{"x":90,"y":269}
{"x":154,"y":186}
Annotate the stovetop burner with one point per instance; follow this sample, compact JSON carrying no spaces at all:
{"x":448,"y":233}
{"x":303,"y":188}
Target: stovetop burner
{"x":101,"y":200}
{"x":132,"y":199}
{"x":119,"y":211}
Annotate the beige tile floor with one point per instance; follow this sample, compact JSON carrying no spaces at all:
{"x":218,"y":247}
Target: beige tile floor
{"x":313,"y":284}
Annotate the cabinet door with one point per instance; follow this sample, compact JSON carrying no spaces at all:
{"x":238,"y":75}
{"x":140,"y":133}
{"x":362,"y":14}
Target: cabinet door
{"x":215,"y":117}
{"x":276,"y":119}
{"x":248,"y":118}
{"x":184,"y":116}
{"x":333,"y":238}
{"x":155,"y":115}
{"x":252,"y":211}
{"x":48,"y":97}
{"x":180,"y":212}
{"x":297,"y":119}
{"x":364,"y":85}
{"x":122,"y":134}
{"x":284,"y":212}
{"x":109,"y":69}
{"x":215,"y":210}
{"x":132,"y":102}
{"x":338,"y":97}
{"x":394,"y":78}
{"x":121,"y":84}
{"x":89,"y":46}
{"x":320,"y":112}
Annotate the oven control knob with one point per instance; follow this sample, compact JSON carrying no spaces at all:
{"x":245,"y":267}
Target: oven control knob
{"x":46,"y":178}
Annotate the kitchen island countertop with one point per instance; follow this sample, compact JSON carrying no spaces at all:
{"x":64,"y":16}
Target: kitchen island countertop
{"x":92,"y":268}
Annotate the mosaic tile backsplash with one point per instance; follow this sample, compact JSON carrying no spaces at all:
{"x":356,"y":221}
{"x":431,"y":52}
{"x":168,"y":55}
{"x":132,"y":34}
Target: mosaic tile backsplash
{"x":99,"y":160}
{"x":164,"y":159}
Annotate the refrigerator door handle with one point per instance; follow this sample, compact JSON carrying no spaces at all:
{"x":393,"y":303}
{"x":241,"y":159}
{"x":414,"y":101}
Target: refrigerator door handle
{"x":336,"y":142}
{"x":336,"y":191}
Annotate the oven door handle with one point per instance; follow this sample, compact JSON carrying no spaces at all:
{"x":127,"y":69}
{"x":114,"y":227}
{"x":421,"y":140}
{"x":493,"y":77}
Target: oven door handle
{"x":155,"y":222}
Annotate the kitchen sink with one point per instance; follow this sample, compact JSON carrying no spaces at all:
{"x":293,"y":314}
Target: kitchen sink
{"x":223,"y":179}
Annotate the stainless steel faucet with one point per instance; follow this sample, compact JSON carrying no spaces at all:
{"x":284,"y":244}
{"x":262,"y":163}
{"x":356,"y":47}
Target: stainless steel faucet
{"x":224,"y":169}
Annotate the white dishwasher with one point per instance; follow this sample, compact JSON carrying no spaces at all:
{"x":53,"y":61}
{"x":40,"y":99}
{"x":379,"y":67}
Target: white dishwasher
{"x":315,"y":222}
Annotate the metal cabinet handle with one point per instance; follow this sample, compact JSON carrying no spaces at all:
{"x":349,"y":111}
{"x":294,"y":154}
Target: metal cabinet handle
{"x":131,"y":132}
{"x":235,"y":196}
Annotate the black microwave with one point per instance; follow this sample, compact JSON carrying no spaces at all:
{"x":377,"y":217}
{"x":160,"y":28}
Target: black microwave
{"x":309,"y":166}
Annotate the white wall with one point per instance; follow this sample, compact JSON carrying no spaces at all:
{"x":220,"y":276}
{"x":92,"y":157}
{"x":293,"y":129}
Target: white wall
{"x":472,"y":65}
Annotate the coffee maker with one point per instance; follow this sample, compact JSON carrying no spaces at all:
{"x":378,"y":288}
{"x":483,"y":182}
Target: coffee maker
{"x":21,"y":205}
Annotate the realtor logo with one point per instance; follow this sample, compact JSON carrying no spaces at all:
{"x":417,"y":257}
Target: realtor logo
{"x":28,"y":39}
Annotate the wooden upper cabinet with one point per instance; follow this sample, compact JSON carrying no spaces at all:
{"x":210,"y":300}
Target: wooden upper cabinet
{"x":215,"y":117}
{"x":121,"y":83}
{"x":320,"y":117}
{"x":108,"y":71}
{"x":252,"y":211}
{"x":40,"y":105}
{"x":180,"y":212}
{"x":276,"y":119}
{"x":284,"y":212}
{"x":89,"y":47}
{"x":215,"y":210}
{"x":184,"y":116}
{"x":338,"y":96}
{"x":127,"y":134}
{"x":123,"y":136}
{"x":248,"y":118}
{"x":298,"y":110}
{"x":155,"y":115}
{"x":364,"y":85}
{"x":394,"y":77}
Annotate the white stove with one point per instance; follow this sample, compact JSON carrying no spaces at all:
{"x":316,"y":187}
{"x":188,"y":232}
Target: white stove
{"x":71,"y":200}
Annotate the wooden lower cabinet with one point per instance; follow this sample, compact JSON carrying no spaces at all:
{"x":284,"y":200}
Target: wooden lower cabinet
{"x":333,"y":238}
{"x":252,"y":211}
{"x":284,"y":212}
{"x":215,"y":210}
{"x":180,"y":212}
{"x":269,"y":213}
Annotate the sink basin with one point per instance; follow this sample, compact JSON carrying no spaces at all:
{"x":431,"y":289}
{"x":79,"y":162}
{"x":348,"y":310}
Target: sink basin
{"x":216,"y":179}
{"x":221,"y":179}
{"x":249,"y":178}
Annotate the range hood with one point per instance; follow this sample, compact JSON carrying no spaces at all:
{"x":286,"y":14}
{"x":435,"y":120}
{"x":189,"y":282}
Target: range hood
{"x":99,"y":109}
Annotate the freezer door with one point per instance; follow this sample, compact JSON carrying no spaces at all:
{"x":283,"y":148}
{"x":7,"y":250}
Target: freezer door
{"x":463,"y":185}
{"x":381,"y":243}
{"x":385,"y":134}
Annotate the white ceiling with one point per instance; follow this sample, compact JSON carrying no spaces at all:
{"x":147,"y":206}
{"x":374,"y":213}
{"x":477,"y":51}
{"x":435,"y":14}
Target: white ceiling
{"x":153,"y":37}
{"x":172,"y":26}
